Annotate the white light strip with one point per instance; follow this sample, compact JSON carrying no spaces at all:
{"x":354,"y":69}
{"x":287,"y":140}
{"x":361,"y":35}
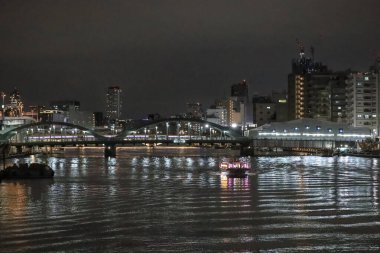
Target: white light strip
{"x":316,"y":135}
{"x":354,"y":135}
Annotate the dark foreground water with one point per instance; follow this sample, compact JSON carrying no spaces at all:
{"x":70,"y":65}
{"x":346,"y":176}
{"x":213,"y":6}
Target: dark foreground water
{"x":146,"y":203}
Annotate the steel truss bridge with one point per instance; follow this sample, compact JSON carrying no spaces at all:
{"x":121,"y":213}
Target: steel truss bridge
{"x":176,"y":131}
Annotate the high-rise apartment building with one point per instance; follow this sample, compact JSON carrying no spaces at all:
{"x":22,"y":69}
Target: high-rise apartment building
{"x":113,"y":103}
{"x":338,"y":97}
{"x":308,"y":89}
{"x":362,"y":93}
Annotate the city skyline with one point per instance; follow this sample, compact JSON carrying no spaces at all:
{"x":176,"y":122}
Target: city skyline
{"x":168,"y":53}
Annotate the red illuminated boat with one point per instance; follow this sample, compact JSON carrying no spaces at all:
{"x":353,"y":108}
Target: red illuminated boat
{"x":235,"y":168}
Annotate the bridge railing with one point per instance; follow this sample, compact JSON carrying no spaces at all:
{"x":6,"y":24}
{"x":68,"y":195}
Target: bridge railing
{"x":175,"y":137}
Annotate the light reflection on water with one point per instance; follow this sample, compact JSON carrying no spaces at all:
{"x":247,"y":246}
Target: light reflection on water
{"x":184,"y":203}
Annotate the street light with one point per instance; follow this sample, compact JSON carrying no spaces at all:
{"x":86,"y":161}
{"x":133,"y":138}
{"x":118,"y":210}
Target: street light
{"x":145,"y":132}
{"x":178,"y":126}
{"x":206,"y":126}
{"x":167,"y":130}
{"x":3,"y":95}
{"x":156,"y":131}
{"x":189,"y":129}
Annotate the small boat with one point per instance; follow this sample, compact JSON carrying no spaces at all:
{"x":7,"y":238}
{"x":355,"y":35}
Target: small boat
{"x":235,"y":168}
{"x":27,"y":171}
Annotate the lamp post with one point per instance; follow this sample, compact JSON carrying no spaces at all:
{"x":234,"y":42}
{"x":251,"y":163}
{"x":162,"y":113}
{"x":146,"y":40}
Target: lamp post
{"x":156,"y":132}
{"x":178,"y":126}
{"x":145,"y":132}
{"x":189,"y":129}
{"x":3,"y":95}
{"x":2,"y":107}
{"x":167,"y":130}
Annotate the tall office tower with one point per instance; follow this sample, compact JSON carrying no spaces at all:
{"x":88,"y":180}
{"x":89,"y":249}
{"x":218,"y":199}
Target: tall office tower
{"x":307,"y":87}
{"x":362,"y":94}
{"x":113,"y":104}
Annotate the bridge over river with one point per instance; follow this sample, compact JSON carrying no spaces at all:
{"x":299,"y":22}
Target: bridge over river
{"x":175,"y":132}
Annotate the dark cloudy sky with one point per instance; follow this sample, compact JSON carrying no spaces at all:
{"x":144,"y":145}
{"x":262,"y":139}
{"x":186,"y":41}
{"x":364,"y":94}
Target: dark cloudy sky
{"x":166,"y":53}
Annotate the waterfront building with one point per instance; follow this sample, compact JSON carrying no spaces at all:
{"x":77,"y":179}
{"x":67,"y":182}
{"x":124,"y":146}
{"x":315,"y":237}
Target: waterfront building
{"x":82,"y":118}
{"x":194,"y":110}
{"x":280,"y":100}
{"x":50,"y":115}
{"x":217,"y":115}
{"x":15,"y":108}
{"x":65,"y":105}
{"x":317,"y":133}
{"x":233,"y":115}
{"x":362,"y":93}
{"x":113,"y":104}
{"x":99,"y":119}
{"x":34,"y":111}
{"x":264,"y":110}
{"x":241,"y":104}
{"x":13,"y":122}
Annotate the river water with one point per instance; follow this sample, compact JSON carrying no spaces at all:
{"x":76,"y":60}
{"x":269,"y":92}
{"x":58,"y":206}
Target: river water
{"x":147,"y":202}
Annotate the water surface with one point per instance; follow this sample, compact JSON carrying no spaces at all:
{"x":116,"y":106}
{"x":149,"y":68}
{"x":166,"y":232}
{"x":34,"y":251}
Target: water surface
{"x":140,"y":202}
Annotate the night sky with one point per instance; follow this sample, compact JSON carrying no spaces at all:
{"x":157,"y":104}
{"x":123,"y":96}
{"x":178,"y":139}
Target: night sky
{"x":166,"y":53}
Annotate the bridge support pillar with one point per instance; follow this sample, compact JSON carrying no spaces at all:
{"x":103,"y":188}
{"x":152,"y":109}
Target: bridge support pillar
{"x":19,"y":150}
{"x":246,"y":151}
{"x":110,"y":151}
